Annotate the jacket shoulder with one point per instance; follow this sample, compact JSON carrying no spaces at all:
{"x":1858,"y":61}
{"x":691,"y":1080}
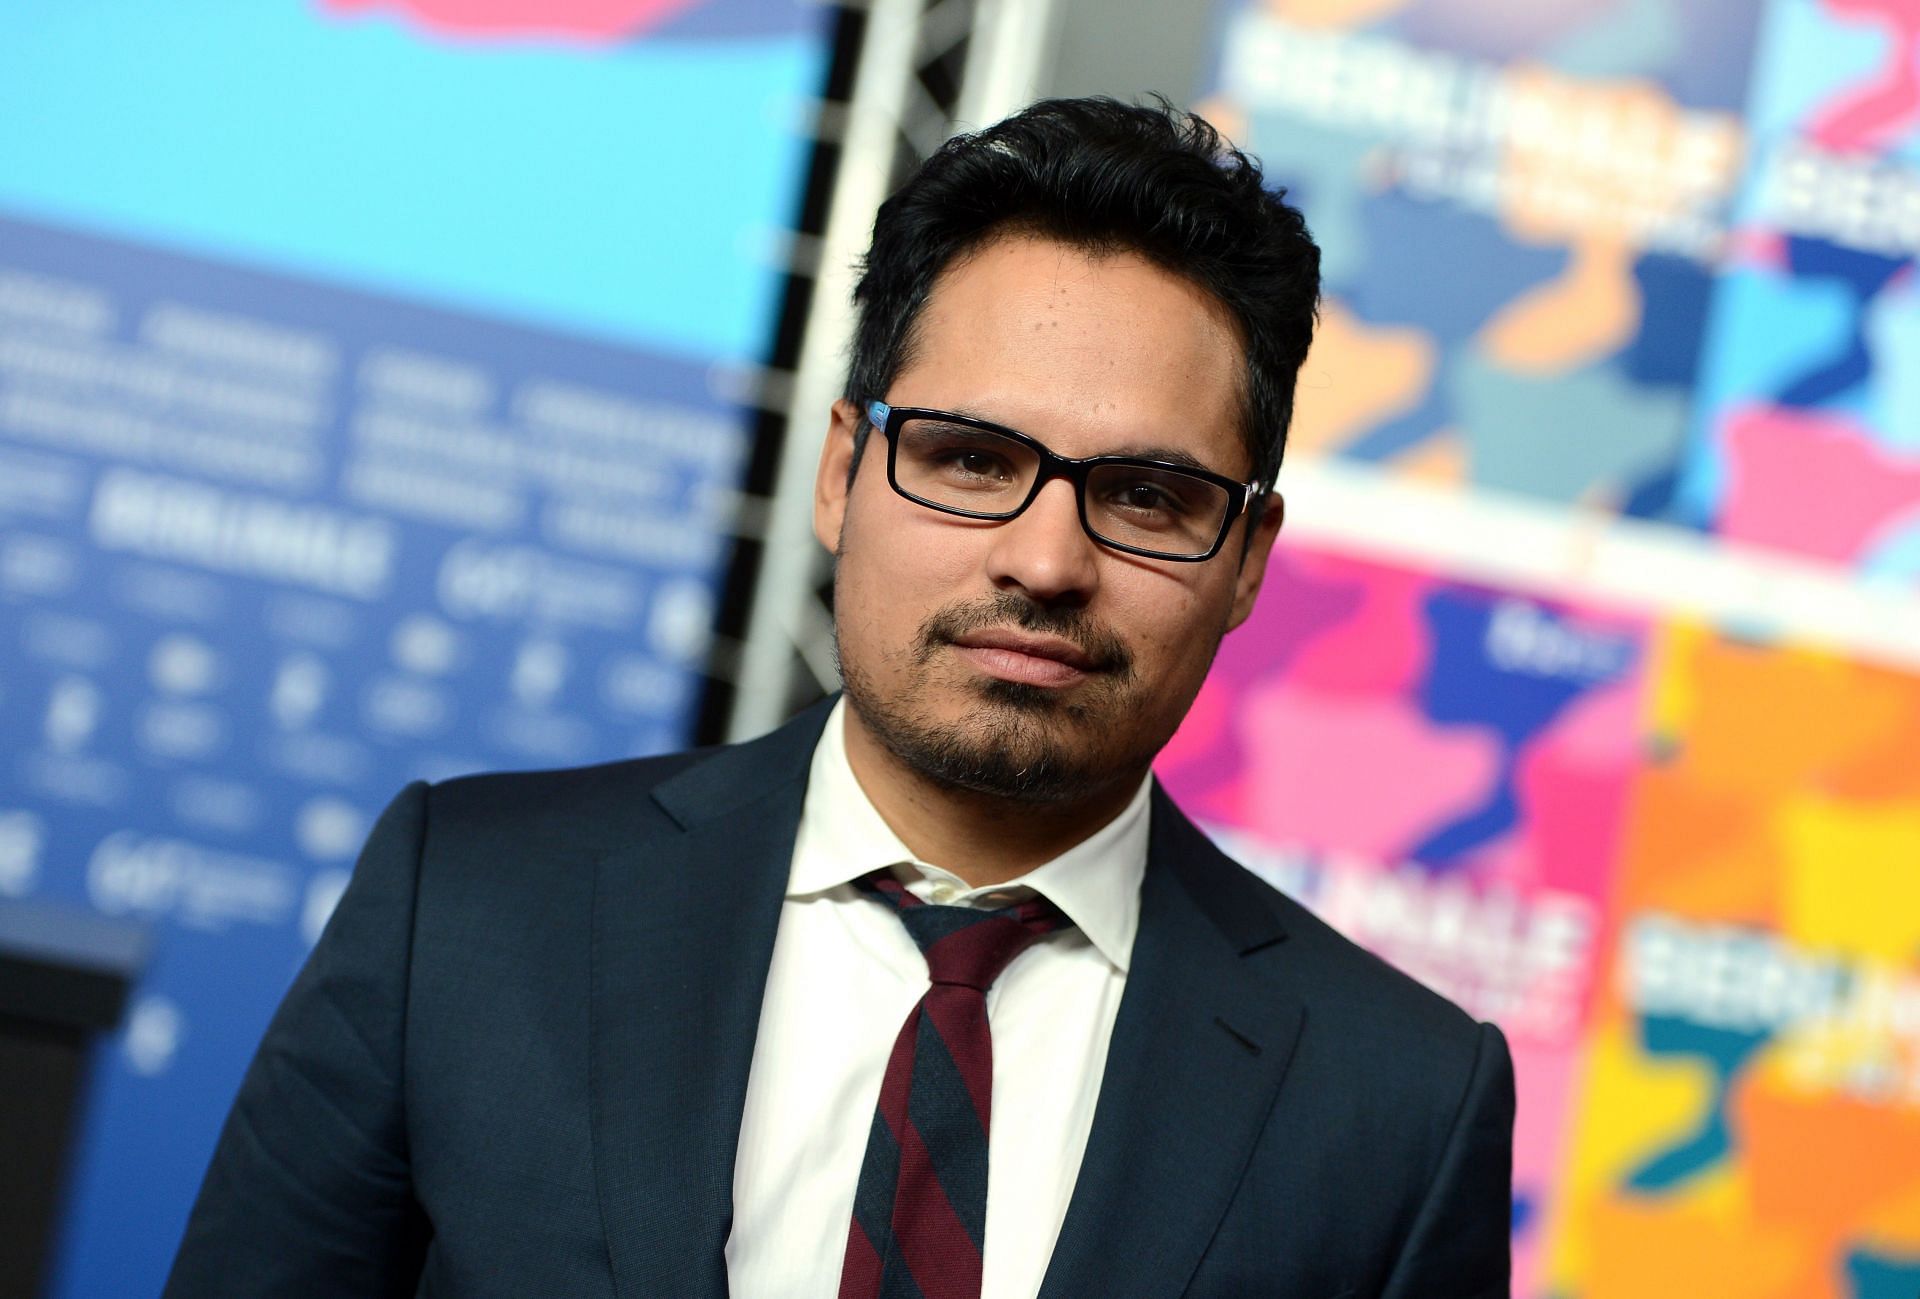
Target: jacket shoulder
{"x":1362,"y":986}
{"x":1377,"y":1006}
{"x":606,"y":806}
{"x":590,"y":808}
{"x":515,"y":794}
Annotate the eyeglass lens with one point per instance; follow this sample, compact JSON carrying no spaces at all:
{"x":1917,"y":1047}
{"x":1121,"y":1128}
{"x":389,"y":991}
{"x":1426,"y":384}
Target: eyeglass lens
{"x":1165,"y":511}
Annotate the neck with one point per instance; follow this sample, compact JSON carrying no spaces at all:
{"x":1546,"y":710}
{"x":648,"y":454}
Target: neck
{"x":985,"y":839}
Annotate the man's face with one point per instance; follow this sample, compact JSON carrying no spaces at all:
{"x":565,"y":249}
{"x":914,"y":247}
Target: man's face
{"x":1022,"y":658}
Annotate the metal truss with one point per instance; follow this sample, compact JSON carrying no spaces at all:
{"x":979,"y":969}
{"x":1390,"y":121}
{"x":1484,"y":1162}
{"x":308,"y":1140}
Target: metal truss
{"x":906,"y":74}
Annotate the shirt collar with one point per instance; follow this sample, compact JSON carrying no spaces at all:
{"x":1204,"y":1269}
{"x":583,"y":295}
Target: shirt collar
{"x":842,"y":837}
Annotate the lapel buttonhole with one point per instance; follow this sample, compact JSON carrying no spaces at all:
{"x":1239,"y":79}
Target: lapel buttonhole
{"x":1253,"y":1047}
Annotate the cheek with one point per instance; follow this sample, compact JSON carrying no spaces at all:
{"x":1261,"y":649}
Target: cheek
{"x":896,"y":568}
{"x":1176,"y":627}
{"x":906,"y":547}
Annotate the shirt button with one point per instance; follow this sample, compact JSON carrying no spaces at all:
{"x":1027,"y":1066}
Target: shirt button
{"x":944,"y":893}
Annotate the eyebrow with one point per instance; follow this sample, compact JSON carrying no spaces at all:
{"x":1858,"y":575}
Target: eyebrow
{"x":1138,"y":451}
{"x":1171,"y":455}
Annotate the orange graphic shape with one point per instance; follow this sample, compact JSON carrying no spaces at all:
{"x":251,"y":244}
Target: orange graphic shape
{"x":1668,"y":1249}
{"x":1818,"y":1165}
{"x":1700,"y":854}
{"x":1589,"y":312}
{"x":1224,"y":115}
{"x":1334,"y":15}
{"x":1770,"y":721}
{"x":1440,"y":460}
{"x":1356,"y":377}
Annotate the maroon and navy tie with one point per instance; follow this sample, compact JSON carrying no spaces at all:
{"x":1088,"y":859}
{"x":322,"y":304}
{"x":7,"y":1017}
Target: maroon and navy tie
{"x":920,"y":1211}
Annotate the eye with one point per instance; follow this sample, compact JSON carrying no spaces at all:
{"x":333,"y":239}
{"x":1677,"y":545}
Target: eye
{"x":963,"y":457}
{"x":1145,"y":496}
{"x":972,"y":462}
{"x":1148,"y":497}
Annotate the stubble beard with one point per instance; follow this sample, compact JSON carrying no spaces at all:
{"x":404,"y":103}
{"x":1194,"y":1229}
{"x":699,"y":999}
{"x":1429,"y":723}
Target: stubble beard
{"x":1022,"y":743}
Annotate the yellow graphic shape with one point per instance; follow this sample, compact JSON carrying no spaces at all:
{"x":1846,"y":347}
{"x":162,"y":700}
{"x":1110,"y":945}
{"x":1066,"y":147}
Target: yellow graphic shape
{"x":1671,"y":691}
{"x":1853,"y":878}
{"x":1356,"y":377}
{"x":1632,"y":1107}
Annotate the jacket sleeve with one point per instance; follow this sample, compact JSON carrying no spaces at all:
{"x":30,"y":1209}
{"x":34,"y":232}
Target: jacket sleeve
{"x":1460,"y":1245}
{"x":309,"y":1192}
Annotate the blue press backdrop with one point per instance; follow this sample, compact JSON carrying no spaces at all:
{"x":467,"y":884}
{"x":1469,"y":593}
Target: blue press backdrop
{"x":357,"y":424}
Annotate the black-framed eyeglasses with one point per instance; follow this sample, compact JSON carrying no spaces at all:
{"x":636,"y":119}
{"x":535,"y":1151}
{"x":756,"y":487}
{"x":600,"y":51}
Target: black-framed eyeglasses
{"x":960,"y":465}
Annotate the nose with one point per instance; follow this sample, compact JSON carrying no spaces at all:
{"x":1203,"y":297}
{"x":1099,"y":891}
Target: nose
{"x":1044,"y":551}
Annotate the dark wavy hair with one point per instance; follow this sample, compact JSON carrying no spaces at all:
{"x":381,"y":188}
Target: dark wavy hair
{"x":1106,"y":177}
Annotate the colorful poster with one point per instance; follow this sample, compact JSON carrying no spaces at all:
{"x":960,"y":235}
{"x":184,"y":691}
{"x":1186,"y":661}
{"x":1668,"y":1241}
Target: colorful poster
{"x":1620,"y":323}
{"x":1749,"y":1121}
{"x":1809,"y":433}
{"x":1521,"y":207}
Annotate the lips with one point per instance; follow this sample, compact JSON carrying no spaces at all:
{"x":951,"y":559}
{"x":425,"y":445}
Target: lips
{"x":1030,"y":644}
{"x":1025,"y":657}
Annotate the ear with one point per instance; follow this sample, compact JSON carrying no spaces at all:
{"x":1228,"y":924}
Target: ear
{"x":1253,"y":568}
{"x":830,"y":481}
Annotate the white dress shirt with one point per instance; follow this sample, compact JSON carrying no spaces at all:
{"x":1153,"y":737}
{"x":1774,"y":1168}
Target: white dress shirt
{"x":845,"y":974}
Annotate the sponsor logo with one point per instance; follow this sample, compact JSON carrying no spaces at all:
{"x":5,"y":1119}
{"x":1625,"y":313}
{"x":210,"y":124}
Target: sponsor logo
{"x":236,"y":532}
{"x":150,"y":875}
{"x":482,"y":580}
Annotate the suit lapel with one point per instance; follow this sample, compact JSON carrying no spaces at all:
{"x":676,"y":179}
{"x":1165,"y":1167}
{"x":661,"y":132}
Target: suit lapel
{"x":1199,"y":1049}
{"x":683,"y":929}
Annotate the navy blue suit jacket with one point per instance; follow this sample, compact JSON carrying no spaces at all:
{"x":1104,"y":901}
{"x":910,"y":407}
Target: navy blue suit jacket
{"x":516,"y":1061}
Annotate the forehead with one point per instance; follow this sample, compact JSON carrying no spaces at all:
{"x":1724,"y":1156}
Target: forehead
{"x":1094,"y":353}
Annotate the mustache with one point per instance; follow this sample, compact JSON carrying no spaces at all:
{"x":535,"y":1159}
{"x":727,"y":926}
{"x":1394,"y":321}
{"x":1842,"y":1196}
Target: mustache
{"x":1006,"y":609}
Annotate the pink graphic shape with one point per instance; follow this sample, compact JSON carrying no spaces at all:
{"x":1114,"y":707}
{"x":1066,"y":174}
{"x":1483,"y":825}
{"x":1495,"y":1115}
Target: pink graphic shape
{"x":1305,"y":596}
{"x":1573,"y":785}
{"x":591,"y":22}
{"x":1305,"y":754}
{"x":1885,"y":107}
{"x":1814,"y":483}
{"x":1543,"y":1086}
{"x":1201,"y":733}
{"x":1382,"y":646}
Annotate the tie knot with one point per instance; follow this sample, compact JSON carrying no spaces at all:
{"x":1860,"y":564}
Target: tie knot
{"x":968,"y":946}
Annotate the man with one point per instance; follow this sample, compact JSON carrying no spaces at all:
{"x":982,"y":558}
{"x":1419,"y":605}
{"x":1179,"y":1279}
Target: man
{"x":931,"y":992}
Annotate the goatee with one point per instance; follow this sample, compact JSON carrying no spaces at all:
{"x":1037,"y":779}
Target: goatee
{"x":1024,"y":743}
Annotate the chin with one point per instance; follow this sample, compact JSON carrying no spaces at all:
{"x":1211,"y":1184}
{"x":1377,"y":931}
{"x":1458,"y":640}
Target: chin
{"x":1012,"y":740}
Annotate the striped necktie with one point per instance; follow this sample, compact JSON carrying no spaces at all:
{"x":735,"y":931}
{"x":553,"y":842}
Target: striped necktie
{"x":920,"y":1210}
